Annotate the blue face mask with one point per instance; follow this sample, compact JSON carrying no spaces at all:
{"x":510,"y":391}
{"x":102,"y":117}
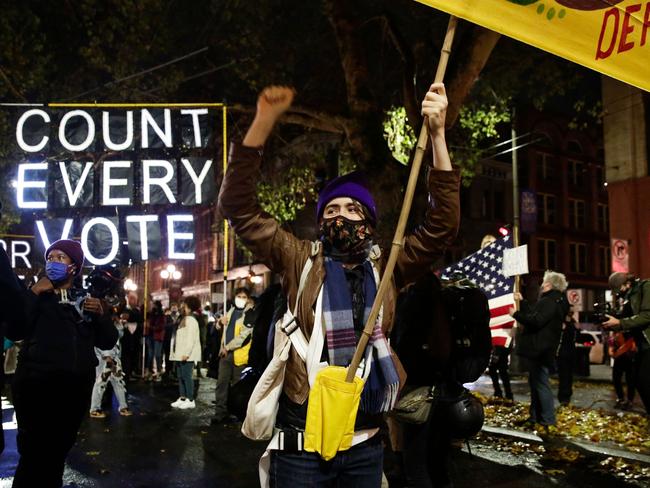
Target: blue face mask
{"x":56,"y":272}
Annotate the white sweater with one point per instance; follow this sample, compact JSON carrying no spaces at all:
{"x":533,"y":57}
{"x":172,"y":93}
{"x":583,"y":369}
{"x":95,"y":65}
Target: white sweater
{"x":186,"y":341}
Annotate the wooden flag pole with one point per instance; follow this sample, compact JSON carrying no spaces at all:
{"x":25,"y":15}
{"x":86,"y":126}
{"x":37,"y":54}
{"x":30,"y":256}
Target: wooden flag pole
{"x":398,"y":239}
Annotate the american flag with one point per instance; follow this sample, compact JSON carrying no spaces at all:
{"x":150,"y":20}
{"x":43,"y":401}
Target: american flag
{"x":484,"y":268}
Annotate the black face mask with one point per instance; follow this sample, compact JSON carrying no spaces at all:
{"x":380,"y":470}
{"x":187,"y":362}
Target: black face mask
{"x":346,"y":240}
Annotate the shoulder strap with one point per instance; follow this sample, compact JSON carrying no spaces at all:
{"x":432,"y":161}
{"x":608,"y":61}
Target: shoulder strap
{"x":291,"y":327}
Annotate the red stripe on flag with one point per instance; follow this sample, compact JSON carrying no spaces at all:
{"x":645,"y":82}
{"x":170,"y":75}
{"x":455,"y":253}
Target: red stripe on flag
{"x":506,"y":325}
{"x":495,"y":312}
{"x":499,"y":341}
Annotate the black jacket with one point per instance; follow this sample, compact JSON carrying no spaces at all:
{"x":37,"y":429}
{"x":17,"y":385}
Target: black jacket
{"x":56,"y":340}
{"x":542,"y":327}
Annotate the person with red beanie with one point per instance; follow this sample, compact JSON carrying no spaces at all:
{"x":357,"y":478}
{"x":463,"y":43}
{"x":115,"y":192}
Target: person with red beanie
{"x":59,"y":327}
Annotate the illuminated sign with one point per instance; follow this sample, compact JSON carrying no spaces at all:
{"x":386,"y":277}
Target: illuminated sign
{"x":124,"y":179}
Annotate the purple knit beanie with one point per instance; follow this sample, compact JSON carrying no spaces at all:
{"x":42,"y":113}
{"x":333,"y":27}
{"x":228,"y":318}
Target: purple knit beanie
{"x":72,"y":249}
{"x":352,"y":185}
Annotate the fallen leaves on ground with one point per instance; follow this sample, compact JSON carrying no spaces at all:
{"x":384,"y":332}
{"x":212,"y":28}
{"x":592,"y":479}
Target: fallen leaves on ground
{"x":627,"y":470}
{"x":626,"y":429}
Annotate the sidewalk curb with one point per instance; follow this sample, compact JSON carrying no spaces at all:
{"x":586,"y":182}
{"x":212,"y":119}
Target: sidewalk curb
{"x":587,"y":446}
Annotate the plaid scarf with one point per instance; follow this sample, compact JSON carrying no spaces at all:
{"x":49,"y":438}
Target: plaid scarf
{"x":380,"y":391}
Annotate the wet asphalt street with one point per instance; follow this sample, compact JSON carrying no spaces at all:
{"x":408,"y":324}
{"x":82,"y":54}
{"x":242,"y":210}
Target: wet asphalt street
{"x":162,"y":447}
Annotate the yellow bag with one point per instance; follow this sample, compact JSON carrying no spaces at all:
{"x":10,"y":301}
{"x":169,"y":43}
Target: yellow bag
{"x":331,"y":412}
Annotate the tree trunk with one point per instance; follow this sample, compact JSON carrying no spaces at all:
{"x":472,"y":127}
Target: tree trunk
{"x":471,"y":57}
{"x":364,"y":132}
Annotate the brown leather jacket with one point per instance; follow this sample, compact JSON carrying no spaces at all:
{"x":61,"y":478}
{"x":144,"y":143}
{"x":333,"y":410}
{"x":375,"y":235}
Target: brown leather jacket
{"x":285,"y":254}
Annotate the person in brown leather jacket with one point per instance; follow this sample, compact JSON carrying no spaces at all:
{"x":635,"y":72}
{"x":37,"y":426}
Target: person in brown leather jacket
{"x":346,"y":217}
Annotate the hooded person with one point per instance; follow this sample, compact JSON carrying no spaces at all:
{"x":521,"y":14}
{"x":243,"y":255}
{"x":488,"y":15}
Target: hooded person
{"x":342,"y":281}
{"x":60,"y":329}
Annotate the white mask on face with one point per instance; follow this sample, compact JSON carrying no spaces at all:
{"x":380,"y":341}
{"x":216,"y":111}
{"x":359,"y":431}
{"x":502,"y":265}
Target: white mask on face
{"x":240,"y":302}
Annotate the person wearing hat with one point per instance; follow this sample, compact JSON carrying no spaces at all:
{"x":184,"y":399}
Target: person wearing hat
{"x":345,"y":267}
{"x":636,"y":320}
{"x":56,"y":367}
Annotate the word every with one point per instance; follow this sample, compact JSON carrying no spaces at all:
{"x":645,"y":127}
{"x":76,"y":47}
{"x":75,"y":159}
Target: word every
{"x":116,"y":182}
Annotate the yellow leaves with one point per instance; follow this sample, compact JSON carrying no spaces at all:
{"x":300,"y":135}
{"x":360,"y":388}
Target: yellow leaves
{"x":596,"y":425}
{"x":563,"y":454}
{"x":554,"y":472}
{"x":625,"y":469}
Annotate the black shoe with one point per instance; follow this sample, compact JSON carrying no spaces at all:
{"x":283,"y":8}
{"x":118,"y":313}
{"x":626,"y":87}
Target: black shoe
{"x":528,"y":423}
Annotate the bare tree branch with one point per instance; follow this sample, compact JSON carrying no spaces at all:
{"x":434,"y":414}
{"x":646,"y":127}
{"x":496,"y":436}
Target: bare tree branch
{"x":305,"y":117}
{"x":480,"y":45}
{"x":408,"y":77}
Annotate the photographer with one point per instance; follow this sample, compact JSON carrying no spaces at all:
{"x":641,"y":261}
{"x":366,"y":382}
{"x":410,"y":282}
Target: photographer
{"x":635,"y":320}
{"x":60,"y":328}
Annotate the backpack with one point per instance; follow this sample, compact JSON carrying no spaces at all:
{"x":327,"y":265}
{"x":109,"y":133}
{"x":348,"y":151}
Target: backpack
{"x":442,"y":331}
{"x":469,"y":315}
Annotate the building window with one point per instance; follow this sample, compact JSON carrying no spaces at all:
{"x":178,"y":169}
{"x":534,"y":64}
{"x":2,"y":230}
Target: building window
{"x":605,"y":261}
{"x":577,"y":257}
{"x":546,"y":208}
{"x":546,"y":167}
{"x":574,"y":146}
{"x":576,"y":173}
{"x":485,"y":205}
{"x":499,"y":206}
{"x":577,"y":213}
{"x":546,"y":253}
{"x":600,"y":178}
{"x":603,"y":217}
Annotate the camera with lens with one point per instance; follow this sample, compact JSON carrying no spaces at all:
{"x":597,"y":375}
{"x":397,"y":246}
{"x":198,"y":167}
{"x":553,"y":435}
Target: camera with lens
{"x":105,"y":283}
{"x":601,"y":310}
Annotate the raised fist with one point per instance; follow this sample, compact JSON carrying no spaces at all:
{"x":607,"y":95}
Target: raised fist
{"x":274,"y":101}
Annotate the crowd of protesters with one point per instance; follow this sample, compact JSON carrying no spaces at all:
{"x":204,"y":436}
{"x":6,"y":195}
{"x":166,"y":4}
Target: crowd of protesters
{"x":75,"y":346}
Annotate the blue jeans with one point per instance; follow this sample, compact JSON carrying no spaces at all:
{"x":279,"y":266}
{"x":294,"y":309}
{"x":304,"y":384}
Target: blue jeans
{"x":185,"y":383}
{"x":542,"y":409}
{"x":154,"y":351}
{"x":358,"y":467}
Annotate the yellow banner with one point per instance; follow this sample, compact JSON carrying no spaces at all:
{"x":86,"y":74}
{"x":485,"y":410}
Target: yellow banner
{"x":609,"y":36}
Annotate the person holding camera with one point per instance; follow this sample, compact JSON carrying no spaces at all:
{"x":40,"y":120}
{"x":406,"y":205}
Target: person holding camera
{"x":635,"y":320}
{"x":57,"y":362}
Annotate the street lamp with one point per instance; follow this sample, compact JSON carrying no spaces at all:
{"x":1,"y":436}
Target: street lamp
{"x":255,"y":279}
{"x":171,"y":272}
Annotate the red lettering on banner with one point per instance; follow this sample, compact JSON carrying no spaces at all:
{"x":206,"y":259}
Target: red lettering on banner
{"x":646,"y":24}
{"x":627,"y":29}
{"x":614,"y":22}
{"x":613,"y":14}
